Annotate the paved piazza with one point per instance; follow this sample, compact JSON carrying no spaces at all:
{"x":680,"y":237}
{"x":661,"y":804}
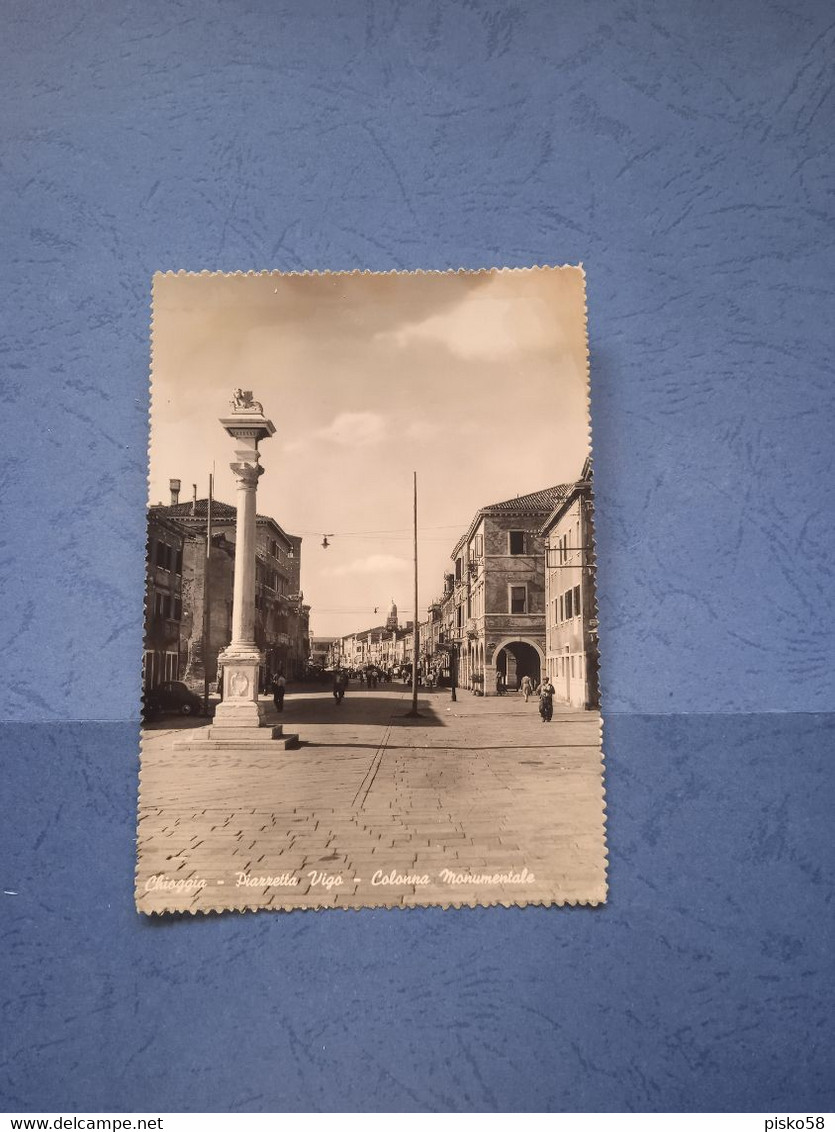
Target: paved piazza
{"x":476,"y":802}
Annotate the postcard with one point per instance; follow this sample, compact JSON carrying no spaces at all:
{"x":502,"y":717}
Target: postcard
{"x":370,"y":672}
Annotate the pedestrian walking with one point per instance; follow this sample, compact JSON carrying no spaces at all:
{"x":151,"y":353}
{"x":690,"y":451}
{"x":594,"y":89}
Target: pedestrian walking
{"x":340,"y":681}
{"x":526,"y":687}
{"x":279,"y":686}
{"x":499,"y":684}
{"x":546,"y":700}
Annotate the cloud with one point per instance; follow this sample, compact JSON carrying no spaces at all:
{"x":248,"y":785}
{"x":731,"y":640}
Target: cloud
{"x":495,"y":323}
{"x":372,"y":564}
{"x":423,"y":430}
{"x":351,"y":430}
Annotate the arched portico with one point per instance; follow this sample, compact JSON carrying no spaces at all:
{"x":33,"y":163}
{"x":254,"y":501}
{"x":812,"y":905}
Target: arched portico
{"x":514,"y":657}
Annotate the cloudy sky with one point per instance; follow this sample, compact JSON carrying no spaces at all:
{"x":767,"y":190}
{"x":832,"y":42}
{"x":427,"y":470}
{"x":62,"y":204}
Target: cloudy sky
{"x":475,"y":381}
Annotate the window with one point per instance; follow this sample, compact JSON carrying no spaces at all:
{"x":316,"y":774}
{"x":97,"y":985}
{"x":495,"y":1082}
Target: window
{"x":458,"y":569}
{"x":517,"y":542}
{"x":479,"y":546}
{"x":518,"y":599}
{"x":562,"y":610}
{"x":569,"y":604}
{"x":576,"y":601}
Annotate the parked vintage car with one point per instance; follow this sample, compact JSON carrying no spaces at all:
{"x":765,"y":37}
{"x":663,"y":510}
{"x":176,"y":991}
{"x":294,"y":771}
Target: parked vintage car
{"x":172,"y":696}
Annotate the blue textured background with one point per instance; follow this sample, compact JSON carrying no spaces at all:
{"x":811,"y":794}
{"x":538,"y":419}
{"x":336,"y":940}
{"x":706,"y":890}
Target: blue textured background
{"x":683,"y":152}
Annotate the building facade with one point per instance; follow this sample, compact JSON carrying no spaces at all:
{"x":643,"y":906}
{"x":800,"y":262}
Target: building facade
{"x":281,"y":617}
{"x":571,"y":642}
{"x":498,"y":592}
{"x":323,"y":651}
{"x":382,"y":646}
{"x":520,"y":600}
{"x":163,"y":599}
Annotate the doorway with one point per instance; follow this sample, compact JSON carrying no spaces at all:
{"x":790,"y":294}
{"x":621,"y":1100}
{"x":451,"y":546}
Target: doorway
{"x":517,"y":660}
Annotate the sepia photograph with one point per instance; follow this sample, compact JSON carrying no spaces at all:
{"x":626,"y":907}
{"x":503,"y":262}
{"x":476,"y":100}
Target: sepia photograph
{"x":370,"y":674}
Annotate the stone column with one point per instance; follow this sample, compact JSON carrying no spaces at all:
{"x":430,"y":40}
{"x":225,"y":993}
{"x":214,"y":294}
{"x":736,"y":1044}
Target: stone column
{"x":241,"y":659}
{"x":243,"y":595}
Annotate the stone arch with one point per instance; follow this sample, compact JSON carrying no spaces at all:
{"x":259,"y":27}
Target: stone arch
{"x":519,"y":641}
{"x":515,"y":658}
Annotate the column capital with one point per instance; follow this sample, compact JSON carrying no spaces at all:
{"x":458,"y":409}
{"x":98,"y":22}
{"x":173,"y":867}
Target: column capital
{"x":250,"y":429}
{"x":247,"y":473}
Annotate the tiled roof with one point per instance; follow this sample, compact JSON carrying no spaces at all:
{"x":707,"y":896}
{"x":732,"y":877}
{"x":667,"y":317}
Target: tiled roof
{"x":221,"y":512}
{"x":583,"y":484}
{"x":200,"y":509}
{"x":164,"y":520}
{"x":542,"y":502}
{"x":545,"y":500}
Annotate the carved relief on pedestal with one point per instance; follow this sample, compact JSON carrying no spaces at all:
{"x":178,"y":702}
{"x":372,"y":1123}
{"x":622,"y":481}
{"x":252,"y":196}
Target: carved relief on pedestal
{"x":238,"y":685}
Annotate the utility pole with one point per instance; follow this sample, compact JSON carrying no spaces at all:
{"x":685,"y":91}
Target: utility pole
{"x":416,"y":633}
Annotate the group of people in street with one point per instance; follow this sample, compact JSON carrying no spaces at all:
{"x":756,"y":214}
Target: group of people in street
{"x":278,"y":687}
{"x":277,"y":684}
{"x":524,"y":684}
{"x":371,"y":676}
{"x":544,"y":690}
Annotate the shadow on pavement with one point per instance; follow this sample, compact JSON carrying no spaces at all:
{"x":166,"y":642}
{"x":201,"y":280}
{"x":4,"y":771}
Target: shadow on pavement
{"x":173,"y":721}
{"x":376,"y":708}
{"x":312,"y":704}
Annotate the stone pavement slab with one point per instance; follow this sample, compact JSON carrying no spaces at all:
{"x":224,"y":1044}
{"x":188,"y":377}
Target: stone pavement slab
{"x":475,"y":802}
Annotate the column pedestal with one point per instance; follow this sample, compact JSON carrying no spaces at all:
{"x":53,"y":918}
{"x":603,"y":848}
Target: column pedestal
{"x":240,"y":707}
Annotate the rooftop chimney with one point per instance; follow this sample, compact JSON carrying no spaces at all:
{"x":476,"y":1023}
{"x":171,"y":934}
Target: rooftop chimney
{"x":174,"y":485}
{"x":194,"y":499}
